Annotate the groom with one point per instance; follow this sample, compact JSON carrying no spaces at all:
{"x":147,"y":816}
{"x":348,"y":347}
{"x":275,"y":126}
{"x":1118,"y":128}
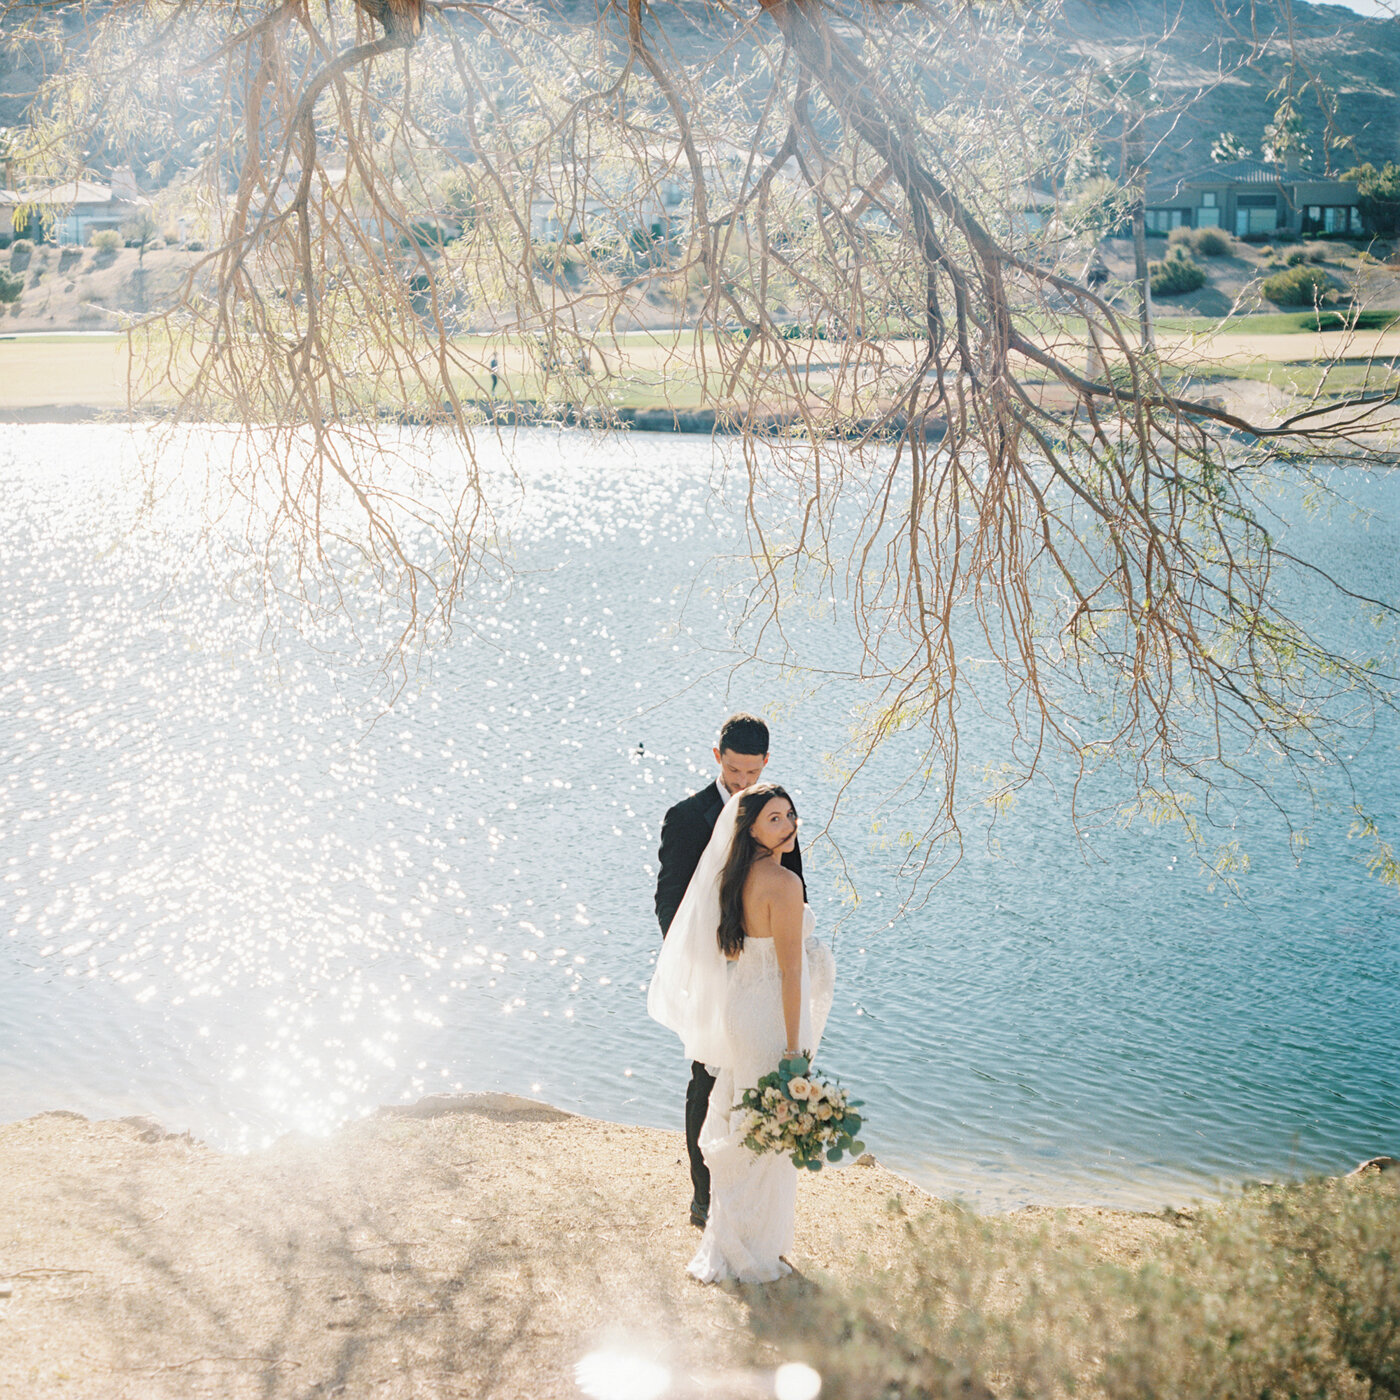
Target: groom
{"x":742,"y":755}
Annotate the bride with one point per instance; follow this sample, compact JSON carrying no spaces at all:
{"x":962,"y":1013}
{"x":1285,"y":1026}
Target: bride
{"x":742,"y":981}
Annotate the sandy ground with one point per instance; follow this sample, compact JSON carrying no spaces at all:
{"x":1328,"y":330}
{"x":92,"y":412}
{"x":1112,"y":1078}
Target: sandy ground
{"x":480,"y":1247}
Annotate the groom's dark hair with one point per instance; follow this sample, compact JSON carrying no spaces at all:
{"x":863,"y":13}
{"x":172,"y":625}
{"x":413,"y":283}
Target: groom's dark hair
{"x":743,"y":734}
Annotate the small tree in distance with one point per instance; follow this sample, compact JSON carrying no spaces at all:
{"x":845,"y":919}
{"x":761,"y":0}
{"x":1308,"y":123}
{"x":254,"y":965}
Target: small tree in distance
{"x":1227,"y":147}
{"x":1379,"y":192}
{"x":138,"y":230}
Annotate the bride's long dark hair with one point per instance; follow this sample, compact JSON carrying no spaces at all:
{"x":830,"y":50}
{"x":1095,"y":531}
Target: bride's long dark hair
{"x":743,"y":851}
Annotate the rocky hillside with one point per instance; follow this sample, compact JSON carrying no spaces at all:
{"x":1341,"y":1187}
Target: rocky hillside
{"x":1217,"y":62}
{"x":1217,"y":65}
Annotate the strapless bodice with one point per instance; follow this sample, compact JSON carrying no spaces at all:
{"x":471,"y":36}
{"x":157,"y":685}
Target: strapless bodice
{"x":763,"y":947}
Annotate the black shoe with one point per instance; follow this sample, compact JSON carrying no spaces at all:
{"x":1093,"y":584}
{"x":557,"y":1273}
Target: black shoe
{"x":699,"y":1215}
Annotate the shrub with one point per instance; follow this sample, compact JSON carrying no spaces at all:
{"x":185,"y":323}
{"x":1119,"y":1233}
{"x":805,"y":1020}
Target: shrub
{"x":194,"y":246}
{"x":1351,"y":320}
{"x":1206,"y":242}
{"x":106,"y":240}
{"x":1177,"y":276}
{"x":803,"y":330}
{"x":11,"y":287}
{"x":1296,"y":258}
{"x":1297,"y":286}
{"x":22,"y":246}
{"x":1211,"y":243}
{"x":1281,"y":1292}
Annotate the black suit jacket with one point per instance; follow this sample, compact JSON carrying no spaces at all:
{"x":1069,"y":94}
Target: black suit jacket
{"x":685,"y":833}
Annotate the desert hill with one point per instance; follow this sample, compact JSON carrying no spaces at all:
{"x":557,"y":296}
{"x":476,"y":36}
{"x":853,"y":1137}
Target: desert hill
{"x":1217,"y":64}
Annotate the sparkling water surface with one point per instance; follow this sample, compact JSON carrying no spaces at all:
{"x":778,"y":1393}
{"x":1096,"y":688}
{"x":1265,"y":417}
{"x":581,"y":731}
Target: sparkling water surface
{"x":244,"y":897}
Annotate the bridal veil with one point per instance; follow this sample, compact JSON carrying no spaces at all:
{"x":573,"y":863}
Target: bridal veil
{"x":687,"y":989}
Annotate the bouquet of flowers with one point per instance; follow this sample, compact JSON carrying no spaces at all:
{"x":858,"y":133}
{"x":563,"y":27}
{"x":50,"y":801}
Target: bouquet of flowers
{"x":791,"y":1110}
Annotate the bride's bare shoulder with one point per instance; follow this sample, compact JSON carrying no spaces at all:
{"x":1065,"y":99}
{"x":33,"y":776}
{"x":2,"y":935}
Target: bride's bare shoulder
{"x":771,"y":881}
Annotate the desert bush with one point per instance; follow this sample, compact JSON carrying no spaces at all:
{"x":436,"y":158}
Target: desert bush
{"x":21,"y":247}
{"x":1296,"y":258}
{"x":106,"y":240}
{"x":1280,"y":1292}
{"x":1211,"y":243}
{"x":1353,"y":320}
{"x":1176,"y":276}
{"x":1204,"y":242}
{"x":11,"y":287}
{"x":1297,"y":286}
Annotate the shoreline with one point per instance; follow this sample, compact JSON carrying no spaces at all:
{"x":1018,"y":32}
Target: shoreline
{"x":477,"y":1245}
{"x":1245,"y":398}
{"x":993,"y":1183}
{"x":979,"y":1189}
{"x":525,"y":413}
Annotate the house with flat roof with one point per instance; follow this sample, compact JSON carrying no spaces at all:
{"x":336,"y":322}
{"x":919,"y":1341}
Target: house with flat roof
{"x":68,"y":213}
{"x":1253,"y":197}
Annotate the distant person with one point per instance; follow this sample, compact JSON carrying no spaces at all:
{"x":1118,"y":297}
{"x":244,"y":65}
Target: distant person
{"x":742,"y":755}
{"x":494,"y":379}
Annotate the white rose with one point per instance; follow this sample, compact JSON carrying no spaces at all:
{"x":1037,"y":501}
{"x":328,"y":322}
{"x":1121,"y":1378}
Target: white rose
{"x":799,"y":1088}
{"x":823,"y":1111}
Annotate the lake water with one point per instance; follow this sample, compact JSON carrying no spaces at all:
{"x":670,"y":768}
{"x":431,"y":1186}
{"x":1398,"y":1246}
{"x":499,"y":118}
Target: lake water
{"x":242,"y":898}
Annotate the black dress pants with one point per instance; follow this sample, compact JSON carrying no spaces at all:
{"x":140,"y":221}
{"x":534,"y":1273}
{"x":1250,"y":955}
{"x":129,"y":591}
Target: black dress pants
{"x":697,"y":1104}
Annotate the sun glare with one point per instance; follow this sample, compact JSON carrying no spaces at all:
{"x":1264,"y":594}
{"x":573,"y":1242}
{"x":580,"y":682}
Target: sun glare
{"x":613,"y":1375}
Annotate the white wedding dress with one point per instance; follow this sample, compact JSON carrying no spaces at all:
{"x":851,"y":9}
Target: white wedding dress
{"x":753,"y":1197}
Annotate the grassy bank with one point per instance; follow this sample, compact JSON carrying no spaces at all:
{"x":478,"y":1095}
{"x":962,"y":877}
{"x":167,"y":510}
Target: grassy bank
{"x":683,"y":370}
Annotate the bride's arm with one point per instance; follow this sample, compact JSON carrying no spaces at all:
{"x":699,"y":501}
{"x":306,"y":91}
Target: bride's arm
{"x":786,"y":914}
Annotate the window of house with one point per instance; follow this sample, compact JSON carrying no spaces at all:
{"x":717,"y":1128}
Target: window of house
{"x":1208,"y":199}
{"x":1255,"y":213}
{"x":1332,"y":218}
